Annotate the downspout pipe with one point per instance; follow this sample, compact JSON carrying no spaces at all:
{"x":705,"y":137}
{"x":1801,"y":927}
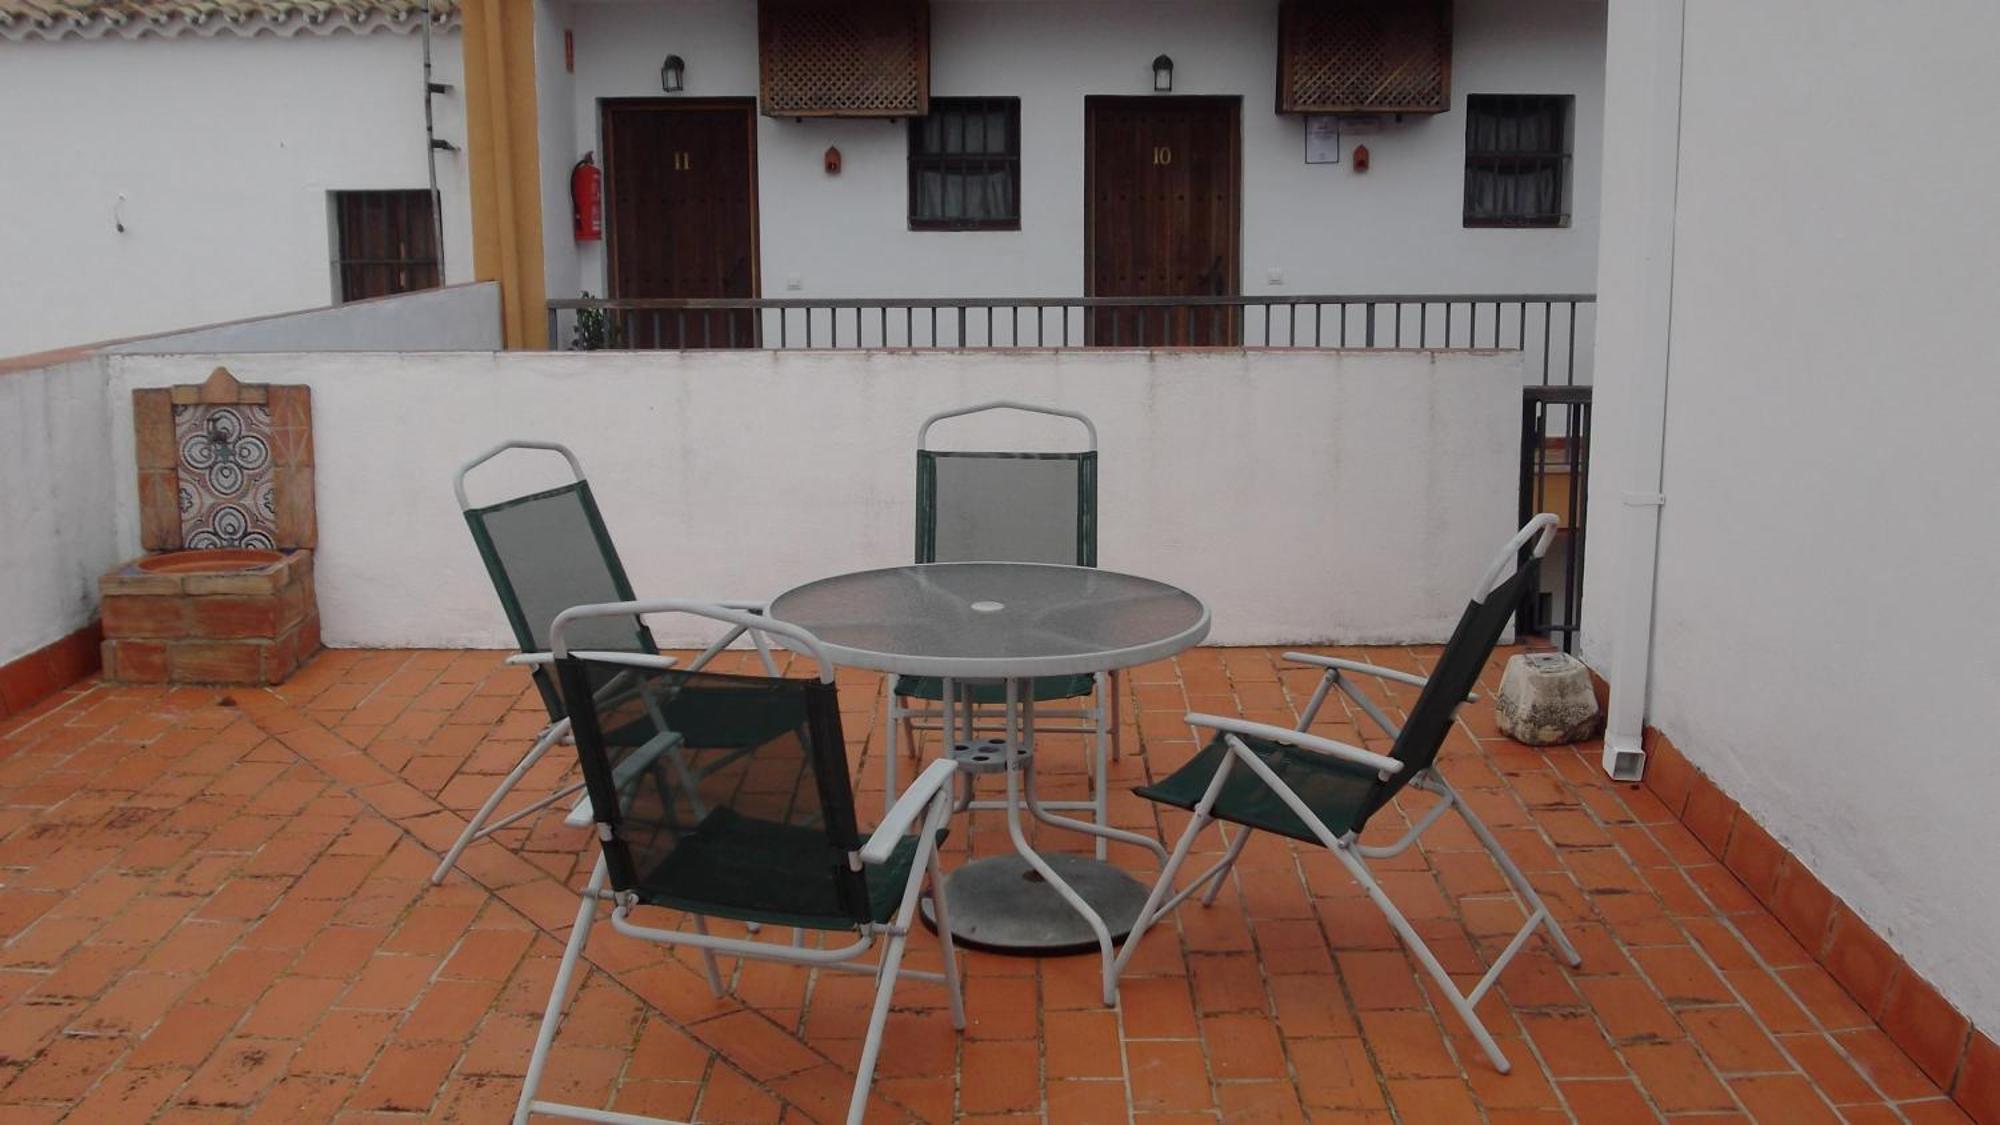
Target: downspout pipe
{"x":1646,"y":277}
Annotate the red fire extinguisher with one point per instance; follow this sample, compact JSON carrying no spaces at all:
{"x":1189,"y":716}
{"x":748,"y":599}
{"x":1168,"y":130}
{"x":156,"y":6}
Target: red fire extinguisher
{"x":586,"y":197}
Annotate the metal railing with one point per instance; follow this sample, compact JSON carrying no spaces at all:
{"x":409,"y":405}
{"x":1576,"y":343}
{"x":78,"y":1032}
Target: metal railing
{"x":1555,"y":327}
{"x":1555,"y":477}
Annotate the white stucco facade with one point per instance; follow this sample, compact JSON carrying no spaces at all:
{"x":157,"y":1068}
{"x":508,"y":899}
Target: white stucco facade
{"x":217,"y":154}
{"x":1306,"y":229}
{"x":1824,"y":615}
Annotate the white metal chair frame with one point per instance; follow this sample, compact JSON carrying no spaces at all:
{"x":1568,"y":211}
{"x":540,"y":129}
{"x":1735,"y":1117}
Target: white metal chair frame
{"x":1100,"y":719}
{"x":482,"y":823}
{"x":1346,"y":848}
{"x":928,"y":801}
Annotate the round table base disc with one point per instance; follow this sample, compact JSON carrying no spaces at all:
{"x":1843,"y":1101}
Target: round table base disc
{"x":1002,"y":905}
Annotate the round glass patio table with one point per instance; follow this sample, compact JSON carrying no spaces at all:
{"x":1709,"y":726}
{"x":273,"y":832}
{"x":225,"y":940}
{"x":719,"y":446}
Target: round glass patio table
{"x":1010,"y":622}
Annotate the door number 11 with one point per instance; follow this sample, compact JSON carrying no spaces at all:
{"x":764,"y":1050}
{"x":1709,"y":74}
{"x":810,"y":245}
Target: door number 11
{"x":682,"y":162}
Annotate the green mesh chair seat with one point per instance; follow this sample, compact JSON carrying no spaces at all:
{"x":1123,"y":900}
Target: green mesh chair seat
{"x":1043,"y":689}
{"x":729,"y":858}
{"x":1337,"y":792}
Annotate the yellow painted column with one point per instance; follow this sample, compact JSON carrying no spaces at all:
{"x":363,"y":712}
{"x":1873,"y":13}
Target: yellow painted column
{"x":501,"y":130}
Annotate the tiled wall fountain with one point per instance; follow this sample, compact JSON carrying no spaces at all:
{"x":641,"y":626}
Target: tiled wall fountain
{"x":225,"y":592}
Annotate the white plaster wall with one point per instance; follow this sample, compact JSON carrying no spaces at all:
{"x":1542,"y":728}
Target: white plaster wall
{"x":56,"y":499}
{"x":457,"y":318}
{"x":224,"y":150}
{"x":1825,"y":625}
{"x":1307,"y":497}
{"x":1397,"y":228}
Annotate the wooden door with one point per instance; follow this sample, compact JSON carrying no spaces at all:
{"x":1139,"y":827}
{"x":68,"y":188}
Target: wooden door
{"x":680,"y":207}
{"x":1162,"y":214}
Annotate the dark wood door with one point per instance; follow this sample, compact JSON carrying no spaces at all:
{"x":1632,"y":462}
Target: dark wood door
{"x":1162,"y":216}
{"x":680,"y":207}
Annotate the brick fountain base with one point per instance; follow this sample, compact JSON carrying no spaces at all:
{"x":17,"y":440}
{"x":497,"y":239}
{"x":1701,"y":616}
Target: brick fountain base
{"x":209,"y":617}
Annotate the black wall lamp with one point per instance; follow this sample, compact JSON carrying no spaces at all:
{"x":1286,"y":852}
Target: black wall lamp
{"x":1163,"y":75}
{"x":673,"y":74}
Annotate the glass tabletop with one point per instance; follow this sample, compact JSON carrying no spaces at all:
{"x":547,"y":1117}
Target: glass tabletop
{"x":994,"y":620}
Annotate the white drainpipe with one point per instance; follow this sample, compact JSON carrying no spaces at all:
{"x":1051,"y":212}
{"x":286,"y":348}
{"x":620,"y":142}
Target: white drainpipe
{"x":1644,"y":269}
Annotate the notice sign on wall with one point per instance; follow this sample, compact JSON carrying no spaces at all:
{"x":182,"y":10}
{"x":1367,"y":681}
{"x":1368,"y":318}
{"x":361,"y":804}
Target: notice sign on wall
{"x":1322,"y":139}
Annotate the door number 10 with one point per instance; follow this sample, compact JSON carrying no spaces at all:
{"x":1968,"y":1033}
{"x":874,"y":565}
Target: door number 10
{"x":1163,"y":154}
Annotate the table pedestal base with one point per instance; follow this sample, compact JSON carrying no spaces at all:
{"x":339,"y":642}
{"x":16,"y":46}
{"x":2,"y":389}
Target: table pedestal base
{"x":1002,"y":905}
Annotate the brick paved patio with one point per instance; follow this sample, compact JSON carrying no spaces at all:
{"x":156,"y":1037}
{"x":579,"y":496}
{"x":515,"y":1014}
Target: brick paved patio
{"x":214,"y":906}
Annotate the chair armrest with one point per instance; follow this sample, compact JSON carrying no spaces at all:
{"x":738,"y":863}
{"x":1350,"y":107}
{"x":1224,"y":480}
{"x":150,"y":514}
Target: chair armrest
{"x":628,"y":659}
{"x":1381,"y":763}
{"x":635,"y":659}
{"x":908,"y":807}
{"x":1357,"y":667}
{"x":752,"y":607}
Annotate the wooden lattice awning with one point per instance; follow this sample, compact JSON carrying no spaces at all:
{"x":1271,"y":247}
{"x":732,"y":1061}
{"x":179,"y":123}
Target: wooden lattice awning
{"x":844,"y":58}
{"x":1364,"y":56}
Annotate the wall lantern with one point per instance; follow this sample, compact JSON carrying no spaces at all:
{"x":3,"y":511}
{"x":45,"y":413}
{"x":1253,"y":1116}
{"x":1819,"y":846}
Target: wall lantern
{"x":673,"y":74}
{"x":1163,"y":75}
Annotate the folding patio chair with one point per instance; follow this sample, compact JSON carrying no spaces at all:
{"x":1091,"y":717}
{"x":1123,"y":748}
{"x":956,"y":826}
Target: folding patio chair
{"x":754,"y":822}
{"x":1268,"y":779}
{"x":546,"y":551}
{"x":1009,"y":506}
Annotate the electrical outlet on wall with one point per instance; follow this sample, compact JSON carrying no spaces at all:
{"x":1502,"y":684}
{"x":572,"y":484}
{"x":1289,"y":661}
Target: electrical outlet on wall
{"x":1274,"y":277}
{"x":793,"y":283}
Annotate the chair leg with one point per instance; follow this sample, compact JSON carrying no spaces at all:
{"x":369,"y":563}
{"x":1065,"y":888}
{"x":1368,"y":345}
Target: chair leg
{"x":954,"y":986}
{"x":1101,"y":769}
{"x":1221,"y":871}
{"x":579,"y":935}
{"x":708,"y":962}
{"x":1357,"y":867}
{"x":473,"y":828}
{"x":871,"y":1045}
{"x":889,"y":791}
{"x":1154,"y":909}
{"x":1514,"y":876}
{"x":1117,"y":709}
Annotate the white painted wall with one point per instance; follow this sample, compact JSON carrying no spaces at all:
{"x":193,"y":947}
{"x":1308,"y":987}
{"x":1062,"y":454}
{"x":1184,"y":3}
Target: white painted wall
{"x":1327,"y":230}
{"x":56,"y":499}
{"x":1825,"y":621}
{"x":1306,"y":497}
{"x":224,"y":150}
{"x":457,"y":318}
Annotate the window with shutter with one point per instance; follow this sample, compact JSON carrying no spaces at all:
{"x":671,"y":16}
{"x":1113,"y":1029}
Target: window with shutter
{"x":1517,"y":160}
{"x":384,"y":242}
{"x":965,"y":165}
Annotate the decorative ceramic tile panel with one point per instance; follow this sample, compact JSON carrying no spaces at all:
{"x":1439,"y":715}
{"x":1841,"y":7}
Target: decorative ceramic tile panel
{"x":226,"y":476}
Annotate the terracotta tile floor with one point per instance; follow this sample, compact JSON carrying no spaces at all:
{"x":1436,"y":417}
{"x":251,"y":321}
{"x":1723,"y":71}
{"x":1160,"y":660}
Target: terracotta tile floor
{"x":213,"y":906}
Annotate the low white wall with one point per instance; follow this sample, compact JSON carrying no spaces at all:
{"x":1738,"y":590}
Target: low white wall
{"x":1825,"y":618}
{"x":216,"y":155}
{"x":1305,"y":497}
{"x":57,"y":531}
{"x":460,"y":318}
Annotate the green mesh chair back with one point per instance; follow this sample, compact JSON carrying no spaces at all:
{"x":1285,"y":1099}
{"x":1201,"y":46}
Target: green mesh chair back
{"x":1456,"y":674}
{"x":992,"y":506}
{"x":724,"y":795}
{"x":545,"y":552}
{"x":1344,"y":795}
